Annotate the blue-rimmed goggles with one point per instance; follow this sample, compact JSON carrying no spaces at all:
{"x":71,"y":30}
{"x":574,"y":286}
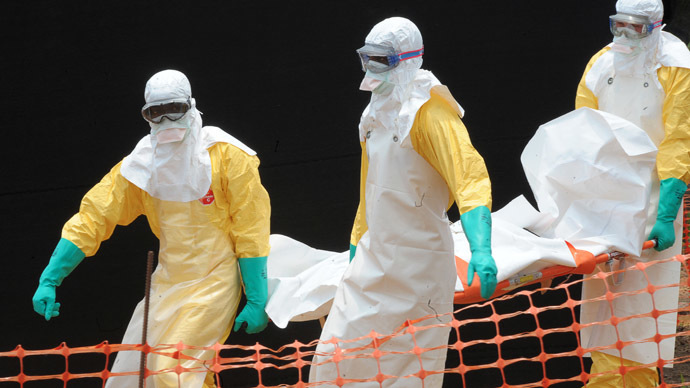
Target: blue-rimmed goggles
{"x":632,"y":26}
{"x":378,"y":58}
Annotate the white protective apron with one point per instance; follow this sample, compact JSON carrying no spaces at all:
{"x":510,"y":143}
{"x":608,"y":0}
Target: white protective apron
{"x":194,"y":296}
{"x":640,"y":101}
{"x":403,"y":269}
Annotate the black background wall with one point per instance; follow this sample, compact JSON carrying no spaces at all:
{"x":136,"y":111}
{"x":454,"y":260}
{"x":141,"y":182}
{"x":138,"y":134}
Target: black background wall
{"x":280,"y":76}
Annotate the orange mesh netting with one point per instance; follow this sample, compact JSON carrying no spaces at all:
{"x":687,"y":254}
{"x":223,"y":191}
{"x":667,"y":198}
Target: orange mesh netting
{"x":515,"y":340}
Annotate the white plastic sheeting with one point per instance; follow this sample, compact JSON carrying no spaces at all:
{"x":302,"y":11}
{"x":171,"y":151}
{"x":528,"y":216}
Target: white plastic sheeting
{"x":301,"y":280}
{"x":590,"y":171}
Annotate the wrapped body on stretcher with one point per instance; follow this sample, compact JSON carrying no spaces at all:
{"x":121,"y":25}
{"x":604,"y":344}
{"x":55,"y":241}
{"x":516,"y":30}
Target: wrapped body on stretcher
{"x":589,"y":172}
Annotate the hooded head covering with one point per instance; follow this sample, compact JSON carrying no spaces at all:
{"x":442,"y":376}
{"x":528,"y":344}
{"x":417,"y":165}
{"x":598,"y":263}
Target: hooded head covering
{"x":653,"y":9}
{"x":177,"y":170}
{"x":411,"y":86}
{"x":403,"y":36}
{"x":644,"y":56}
{"x":165,"y":87}
{"x":658,"y":49}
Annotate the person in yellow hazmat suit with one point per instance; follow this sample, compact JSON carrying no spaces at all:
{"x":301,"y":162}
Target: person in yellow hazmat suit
{"x":642,"y":76}
{"x":201,"y":192}
{"x":417,"y":159}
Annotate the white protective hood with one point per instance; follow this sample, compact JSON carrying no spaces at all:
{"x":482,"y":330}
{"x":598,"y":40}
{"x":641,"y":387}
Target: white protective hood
{"x":178,"y":171}
{"x":412,"y":84}
{"x":645,"y":61}
{"x":660,"y":49}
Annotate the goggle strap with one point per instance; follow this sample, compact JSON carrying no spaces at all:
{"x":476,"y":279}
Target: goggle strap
{"x":411,"y":54}
{"x":650,"y":27}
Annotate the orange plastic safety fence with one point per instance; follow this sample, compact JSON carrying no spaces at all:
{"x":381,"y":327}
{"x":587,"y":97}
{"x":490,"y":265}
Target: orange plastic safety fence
{"x":497,"y":318}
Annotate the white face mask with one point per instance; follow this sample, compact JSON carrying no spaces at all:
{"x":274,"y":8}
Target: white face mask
{"x":377,"y":83}
{"x":170,"y":131}
{"x":627,"y":46}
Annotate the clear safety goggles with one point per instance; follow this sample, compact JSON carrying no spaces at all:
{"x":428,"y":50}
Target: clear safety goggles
{"x":632,"y":26}
{"x":172,"y":110}
{"x":378,"y":58}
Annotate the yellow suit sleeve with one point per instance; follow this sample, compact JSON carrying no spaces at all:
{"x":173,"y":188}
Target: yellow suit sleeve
{"x":113,"y":201}
{"x":360,"y":226}
{"x":441,"y":138}
{"x":673,"y":158}
{"x":250,"y":206}
{"x":585,"y":98}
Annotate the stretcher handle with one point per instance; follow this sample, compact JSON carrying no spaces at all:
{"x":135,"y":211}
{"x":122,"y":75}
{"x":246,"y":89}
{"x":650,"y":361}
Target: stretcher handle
{"x":650,"y":244}
{"x":471,"y":294}
{"x":604,"y":257}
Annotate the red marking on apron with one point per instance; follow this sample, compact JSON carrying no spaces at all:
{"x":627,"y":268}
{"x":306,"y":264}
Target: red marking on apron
{"x":208,"y":198}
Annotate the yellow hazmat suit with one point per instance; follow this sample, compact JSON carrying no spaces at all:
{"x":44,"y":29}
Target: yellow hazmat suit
{"x":195,"y":289}
{"x":440,"y":137}
{"x":652,"y":90}
{"x":404,"y":267}
{"x":673,"y":161}
{"x":417,"y":159}
{"x":200,"y":190}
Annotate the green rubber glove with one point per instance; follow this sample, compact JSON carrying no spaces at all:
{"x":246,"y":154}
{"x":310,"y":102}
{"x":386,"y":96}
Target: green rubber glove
{"x":65,"y":258}
{"x":477,"y":226}
{"x":353,"y":249}
{"x":253,"y":271}
{"x":671,"y":194}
